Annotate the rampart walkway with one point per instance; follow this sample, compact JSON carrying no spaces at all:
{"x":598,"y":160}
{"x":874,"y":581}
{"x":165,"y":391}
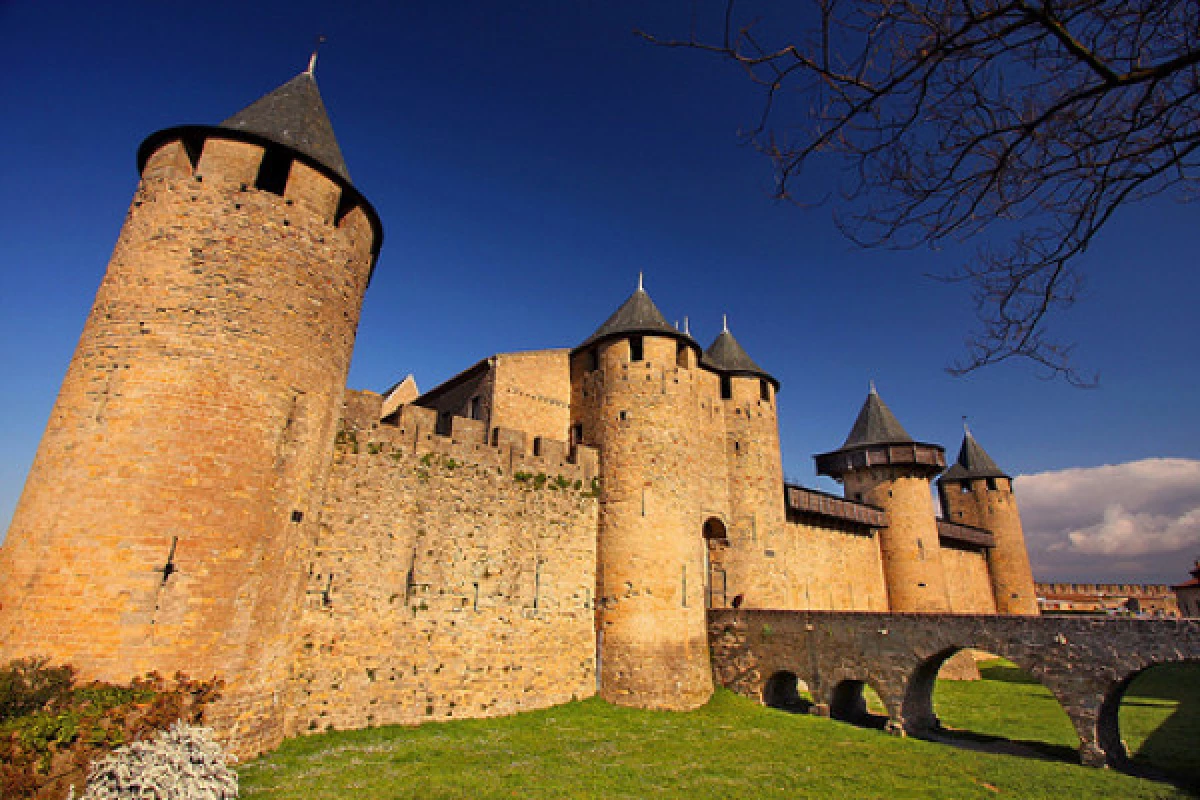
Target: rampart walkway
{"x":1085,"y":662}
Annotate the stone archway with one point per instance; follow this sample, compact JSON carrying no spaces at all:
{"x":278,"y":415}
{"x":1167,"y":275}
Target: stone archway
{"x":1109,"y":738}
{"x":848,"y":703}
{"x":782,"y":691}
{"x":716,"y":543}
{"x":999,"y":734}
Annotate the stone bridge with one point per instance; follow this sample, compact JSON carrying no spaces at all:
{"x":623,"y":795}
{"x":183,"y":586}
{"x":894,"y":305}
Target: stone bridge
{"x":1085,"y":662}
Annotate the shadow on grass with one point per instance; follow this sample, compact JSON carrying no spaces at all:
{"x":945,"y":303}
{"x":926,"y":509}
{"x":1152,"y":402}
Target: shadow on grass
{"x":985,"y":743}
{"x":1169,"y":751}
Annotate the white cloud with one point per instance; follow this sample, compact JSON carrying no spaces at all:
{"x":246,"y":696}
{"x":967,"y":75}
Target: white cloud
{"x":1132,"y":522}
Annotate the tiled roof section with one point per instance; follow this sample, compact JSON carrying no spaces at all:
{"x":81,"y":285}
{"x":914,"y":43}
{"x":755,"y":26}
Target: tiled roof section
{"x":638,"y":314}
{"x":1194,"y":582}
{"x":876,"y":424}
{"x":294,"y":116}
{"x":973,"y":462}
{"x":725,"y":354}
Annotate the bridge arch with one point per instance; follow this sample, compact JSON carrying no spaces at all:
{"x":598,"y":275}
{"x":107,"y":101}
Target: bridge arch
{"x":1108,"y":725}
{"x":1085,"y":663}
{"x":917,"y":711}
{"x":782,"y":691}
{"x":848,"y":703}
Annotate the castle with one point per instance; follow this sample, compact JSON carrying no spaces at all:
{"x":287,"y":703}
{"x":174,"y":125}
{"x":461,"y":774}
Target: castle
{"x":209,"y":497}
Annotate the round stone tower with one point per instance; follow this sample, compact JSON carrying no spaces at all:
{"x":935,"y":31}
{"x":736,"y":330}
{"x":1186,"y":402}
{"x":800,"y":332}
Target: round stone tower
{"x":640,"y":396}
{"x":184,"y":458}
{"x":882,"y":465}
{"x":977,"y":492}
{"x":755,"y":475}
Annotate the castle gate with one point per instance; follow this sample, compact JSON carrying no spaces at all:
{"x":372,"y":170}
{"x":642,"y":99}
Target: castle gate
{"x":1086,"y":663}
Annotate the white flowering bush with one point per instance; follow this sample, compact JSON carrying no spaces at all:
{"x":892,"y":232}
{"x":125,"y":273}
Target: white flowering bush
{"x":182,"y":763}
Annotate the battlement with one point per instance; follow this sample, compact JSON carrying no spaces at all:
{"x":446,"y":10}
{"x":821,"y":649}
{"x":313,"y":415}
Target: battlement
{"x":413,"y":429}
{"x":252,"y":163}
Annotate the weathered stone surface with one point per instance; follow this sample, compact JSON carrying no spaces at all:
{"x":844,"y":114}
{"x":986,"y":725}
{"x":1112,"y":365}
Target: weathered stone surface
{"x":1085,"y":662}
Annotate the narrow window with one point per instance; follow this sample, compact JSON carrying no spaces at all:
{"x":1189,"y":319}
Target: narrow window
{"x":991,"y":484}
{"x":476,"y":407}
{"x":537,"y":451}
{"x":593,"y":360}
{"x":443,"y":424}
{"x":681,"y":355}
{"x":273,"y":172}
{"x":577,"y":434}
{"x":764,"y":391}
{"x":726,"y":387}
{"x":635,"y":348}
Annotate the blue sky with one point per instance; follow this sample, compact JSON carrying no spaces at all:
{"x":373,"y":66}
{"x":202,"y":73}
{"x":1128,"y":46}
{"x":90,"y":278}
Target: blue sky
{"x":527,"y":160}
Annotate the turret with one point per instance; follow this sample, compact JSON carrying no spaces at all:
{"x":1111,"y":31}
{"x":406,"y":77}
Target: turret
{"x":755,"y":475}
{"x":977,"y":492}
{"x":639,"y":396}
{"x":880,"y":464}
{"x":184,"y":456}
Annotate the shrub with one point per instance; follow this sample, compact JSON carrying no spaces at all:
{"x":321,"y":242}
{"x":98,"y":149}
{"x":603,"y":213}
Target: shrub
{"x":47,"y":748}
{"x":182,"y":763}
{"x":28,"y":685}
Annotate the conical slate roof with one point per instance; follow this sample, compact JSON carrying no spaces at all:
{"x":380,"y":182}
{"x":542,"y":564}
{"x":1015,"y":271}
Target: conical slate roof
{"x":973,"y":462}
{"x":294,"y":116}
{"x":638,"y":314}
{"x":726,"y":354}
{"x":876,"y":424}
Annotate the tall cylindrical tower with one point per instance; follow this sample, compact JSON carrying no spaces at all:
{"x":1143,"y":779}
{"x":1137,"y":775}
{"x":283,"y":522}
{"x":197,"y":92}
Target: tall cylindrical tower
{"x":639,"y":396}
{"x":755,"y":475}
{"x":977,"y":492}
{"x":880,"y":464}
{"x":183,"y":460}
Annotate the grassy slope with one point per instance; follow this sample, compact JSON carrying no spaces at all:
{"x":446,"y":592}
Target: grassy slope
{"x":731,"y":748}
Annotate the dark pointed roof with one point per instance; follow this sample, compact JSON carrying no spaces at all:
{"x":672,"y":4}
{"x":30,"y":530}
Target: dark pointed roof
{"x":726,"y":355}
{"x":973,"y":462}
{"x":878,"y":439}
{"x":876,"y":424}
{"x":294,"y":116}
{"x":638,"y":314}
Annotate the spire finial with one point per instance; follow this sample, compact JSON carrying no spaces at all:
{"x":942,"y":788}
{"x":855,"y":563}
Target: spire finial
{"x":686,"y":329}
{"x":725,"y":323}
{"x":312,"y":60}
{"x":873,"y":387}
{"x":640,"y":281}
{"x":966,"y":428}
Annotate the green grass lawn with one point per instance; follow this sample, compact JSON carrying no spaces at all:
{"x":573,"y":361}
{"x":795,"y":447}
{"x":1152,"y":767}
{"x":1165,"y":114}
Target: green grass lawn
{"x":1159,"y":718}
{"x":731,"y":748}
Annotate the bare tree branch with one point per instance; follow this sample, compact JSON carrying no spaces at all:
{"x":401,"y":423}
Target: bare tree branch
{"x":1032,"y":119}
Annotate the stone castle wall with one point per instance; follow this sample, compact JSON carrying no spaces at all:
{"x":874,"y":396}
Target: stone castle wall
{"x":659,"y":426}
{"x":446,"y":578}
{"x":968,"y":581}
{"x":531,"y":391}
{"x":189,"y":442}
{"x":990,"y":504}
{"x":909,"y":544}
{"x":822,"y":567}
